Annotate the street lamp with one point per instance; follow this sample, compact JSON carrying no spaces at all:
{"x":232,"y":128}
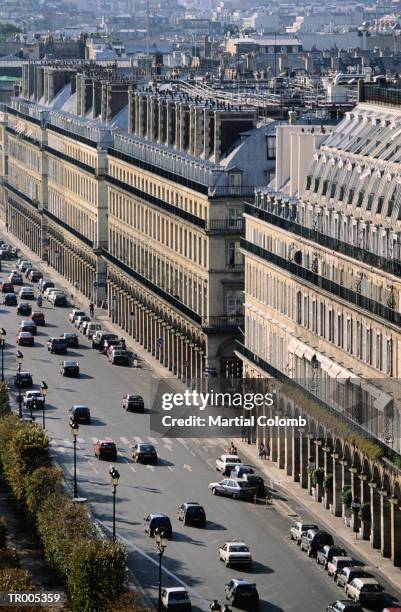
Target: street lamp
{"x":3,"y":334}
{"x":43,"y":391}
{"x":114,"y":475}
{"x":19,"y":358}
{"x":161,"y":543}
{"x":74,"y":428}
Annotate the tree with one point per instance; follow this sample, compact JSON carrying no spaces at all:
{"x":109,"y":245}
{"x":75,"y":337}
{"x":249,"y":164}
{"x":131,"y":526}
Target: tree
{"x":4,"y":400}
{"x":39,"y":485}
{"x":365,"y":513}
{"x":318,"y":476}
{"x":347,"y":496}
{"x":328,"y":483}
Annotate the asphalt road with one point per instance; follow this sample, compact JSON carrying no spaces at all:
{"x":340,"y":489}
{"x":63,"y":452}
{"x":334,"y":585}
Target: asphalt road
{"x":286,"y":579}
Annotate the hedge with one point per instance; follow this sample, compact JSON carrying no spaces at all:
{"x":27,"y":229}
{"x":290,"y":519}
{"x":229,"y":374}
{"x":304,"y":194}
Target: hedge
{"x":3,"y":532}
{"x":4,"y":400}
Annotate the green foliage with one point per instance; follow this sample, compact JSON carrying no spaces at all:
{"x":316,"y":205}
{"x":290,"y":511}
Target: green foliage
{"x":4,"y":400}
{"x":364,"y":513}
{"x":15,"y":579}
{"x":346,"y":496}
{"x":397,"y":462}
{"x":328,"y":483}
{"x":3,"y":532}
{"x":40,"y":485}
{"x":318,"y":476}
{"x":9,"y":558}
{"x":97,"y":575}
{"x":8,"y":29}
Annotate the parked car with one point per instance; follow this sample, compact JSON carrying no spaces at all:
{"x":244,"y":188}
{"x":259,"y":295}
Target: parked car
{"x":100,"y":337}
{"x":175,"y":598}
{"x":33,"y":398}
{"x":45,"y":284}
{"x":366,"y":591}
{"x":242,"y":593}
{"x":343,"y":605}
{"x":298,"y":528}
{"x":10,"y":299}
{"x":158,"y":521}
{"x":257,"y":482}
{"x":48,"y":292}
{"x":82,"y":327}
{"x":192,"y":513}
{"x":92,"y":328}
{"x":105,"y":449}
{"x":75,"y":313}
{"x":325,"y":554}
{"x":24,"y":264}
{"x":338,"y":563}
{"x":69,"y":368}
{"x":24,"y":309}
{"x":25,"y":338}
{"x":26,"y":293}
{"x":226,"y":463}
{"x":237,"y":489}
{"x":347,"y":574}
{"x":313,"y":540}
{"x":144,"y":453}
{"x":133,"y":403}
{"x":80,"y":319}
{"x":59,"y":299}
{"x":111,"y":344}
{"x":58,"y":346}
{"x":35,"y":275}
{"x":240,"y":470}
{"x":27,"y":271}
{"x":38,"y":318}
{"x":71,"y":339}
{"x":28,"y":325}
{"x":23,"y":380}
{"x":7,"y":287}
{"x":80,"y":414}
{"x":15,"y":278}
{"x":119,"y":357}
{"x":235,"y":554}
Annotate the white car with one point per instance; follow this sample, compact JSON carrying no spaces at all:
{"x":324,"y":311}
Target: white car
{"x":235,"y":554}
{"x":175,"y":598}
{"x":50,"y":290}
{"x":225,"y":463}
{"x":75,"y":313}
{"x":53,"y":292}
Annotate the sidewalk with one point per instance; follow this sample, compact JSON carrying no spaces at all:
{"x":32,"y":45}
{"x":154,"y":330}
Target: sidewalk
{"x":356,"y":547}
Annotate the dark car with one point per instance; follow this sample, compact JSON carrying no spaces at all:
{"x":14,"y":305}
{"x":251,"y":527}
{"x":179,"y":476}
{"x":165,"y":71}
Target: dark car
{"x":24,"y":309}
{"x":69,"y":368}
{"x":313,"y":540}
{"x":16,"y":278}
{"x":192,"y":513}
{"x":158,"y":521}
{"x":144,"y":453}
{"x":25,"y":338}
{"x":38,"y":318}
{"x":80,"y":414}
{"x":133,"y":403}
{"x":257,"y":482}
{"x":109,"y":343}
{"x":325,"y":554}
{"x":100,"y":338}
{"x":23,"y":380}
{"x":343,"y":605}
{"x":60,"y":300}
{"x":71,"y":339}
{"x":237,"y":489}
{"x":239,"y":471}
{"x":346,"y":574}
{"x":7,"y":287}
{"x":35,"y":276}
{"x":105,"y":449}
{"x":57,"y":346}
{"x":119,"y":357}
{"x":28,"y":325}
{"x":10,"y":299}
{"x":46,"y":284}
{"x":242,"y":593}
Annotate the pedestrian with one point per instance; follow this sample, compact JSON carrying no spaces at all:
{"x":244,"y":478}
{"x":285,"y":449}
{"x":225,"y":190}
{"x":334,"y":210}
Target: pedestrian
{"x":262,"y":451}
{"x":124,"y":346}
{"x":91,"y":309}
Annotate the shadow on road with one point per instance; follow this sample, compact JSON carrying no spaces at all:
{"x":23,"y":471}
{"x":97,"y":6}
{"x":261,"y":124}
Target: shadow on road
{"x":215,"y":526}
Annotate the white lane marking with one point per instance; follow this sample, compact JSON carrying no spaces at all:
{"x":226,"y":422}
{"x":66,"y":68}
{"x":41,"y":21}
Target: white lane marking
{"x":125,"y":441}
{"x":131,"y":467}
{"x":94,"y":440}
{"x":93,"y":467}
{"x":137,"y":439}
{"x":81,"y":440}
{"x":156,"y":563}
{"x":68,"y":443}
{"x":187,"y":467}
{"x":153,"y":440}
{"x":151,"y":468}
{"x":181,"y":441}
{"x":192,"y":453}
{"x":206,"y":449}
{"x":170,"y":468}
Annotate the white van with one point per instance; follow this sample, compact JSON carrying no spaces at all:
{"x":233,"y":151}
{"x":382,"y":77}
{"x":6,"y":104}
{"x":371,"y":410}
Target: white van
{"x":92,"y":328}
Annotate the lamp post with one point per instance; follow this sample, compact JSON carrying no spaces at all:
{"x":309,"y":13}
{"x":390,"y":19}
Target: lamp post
{"x":74,"y":428}
{"x":19,"y":357}
{"x":3,"y":334}
{"x":114,"y":475}
{"x":161,"y":543}
{"x":43,"y":391}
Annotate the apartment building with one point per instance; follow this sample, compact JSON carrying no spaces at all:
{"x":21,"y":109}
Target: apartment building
{"x":135,"y":194}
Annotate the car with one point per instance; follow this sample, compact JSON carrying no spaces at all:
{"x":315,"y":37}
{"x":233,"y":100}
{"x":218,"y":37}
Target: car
{"x":392,"y":609}
{"x":83,"y":326}
{"x":347,"y":574}
{"x":240,"y":470}
{"x":100,"y":337}
{"x":71,"y":339}
{"x":45,"y":284}
{"x":366,"y":591}
{"x":105,"y":449}
{"x":80,"y":414}
{"x":343,"y":605}
{"x":257,"y":482}
{"x":23,"y":379}
{"x":24,"y":264}
{"x":144,"y":453}
{"x":175,"y":598}
{"x":38,"y":318}
{"x":25,"y":338}
{"x":110,"y":344}
{"x":325,"y":554}
{"x":314,"y":539}
{"x":57,"y":346}
{"x":69,"y":368}
{"x":16,"y":278}
{"x":33,"y":398}
{"x":241,"y":593}
{"x":35,"y":276}
{"x":298,"y":528}
{"x":75,"y":313}
{"x":91,"y":329}
{"x":235,"y":554}
{"x":48,"y":292}
{"x":27,"y":271}
{"x":28,"y":325}
{"x":133,"y":403}
{"x":24,"y":309}
{"x":26,"y":293}
{"x":59,"y":299}
{"x":58,"y":293}
{"x":192,"y":513}
{"x":10,"y":299}
{"x":226,"y":463}
{"x":79,"y":320}
{"x":119,"y":357}
{"x":158,"y":521}
{"x":237,"y":489}
{"x":7,"y":287}
{"x":338,"y":563}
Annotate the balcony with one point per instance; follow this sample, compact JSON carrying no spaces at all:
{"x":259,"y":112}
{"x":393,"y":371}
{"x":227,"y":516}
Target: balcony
{"x":20,"y":194}
{"x":224,"y":323}
{"x":225,"y":226}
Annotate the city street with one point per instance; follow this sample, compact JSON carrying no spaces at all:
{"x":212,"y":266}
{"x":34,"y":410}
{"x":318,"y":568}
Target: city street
{"x":286,"y":579}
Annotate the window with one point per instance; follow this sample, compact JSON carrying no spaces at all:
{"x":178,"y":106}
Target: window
{"x":299,"y":307}
{"x":322,"y":319}
{"x":350,"y":196}
{"x":235,"y":217}
{"x":369,"y":346}
{"x":271,"y":146}
{"x":331,"y":326}
{"x":325,"y":187}
{"x":370,"y":201}
{"x":380,"y":203}
{"x":390,"y":207}
{"x":378,"y":351}
{"x":234,"y":257}
{"x":389,"y":357}
{"x":235,"y":302}
{"x":333,"y":190}
{"x":360,"y":199}
{"x":359,"y":340}
{"x":316,"y":186}
{"x":308,"y":182}
{"x":235,"y":183}
{"x":349,"y":336}
{"x":340,"y":331}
